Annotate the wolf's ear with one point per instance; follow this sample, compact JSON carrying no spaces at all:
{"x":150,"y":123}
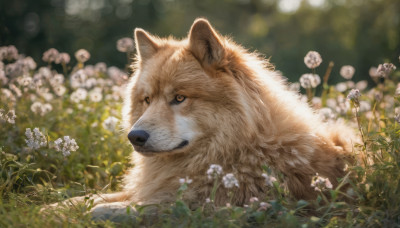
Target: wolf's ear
{"x":205,"y":43}
{"x":146,"y":46}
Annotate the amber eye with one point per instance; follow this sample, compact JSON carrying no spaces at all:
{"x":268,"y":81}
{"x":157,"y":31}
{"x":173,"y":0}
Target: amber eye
{"x":179,"y":98}
{"x":147,"y":100}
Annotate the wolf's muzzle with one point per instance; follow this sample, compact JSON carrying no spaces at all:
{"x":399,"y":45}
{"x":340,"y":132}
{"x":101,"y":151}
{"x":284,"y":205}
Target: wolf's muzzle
{"x":138,"y":137}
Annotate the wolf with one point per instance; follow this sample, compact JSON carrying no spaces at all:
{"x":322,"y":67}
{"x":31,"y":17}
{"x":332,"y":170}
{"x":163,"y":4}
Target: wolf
{"x":206,"y":100}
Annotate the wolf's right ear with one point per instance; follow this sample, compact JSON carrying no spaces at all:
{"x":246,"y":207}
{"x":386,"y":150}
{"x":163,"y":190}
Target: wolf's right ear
{"x":146,"y":46}
{"x":205,"y":43}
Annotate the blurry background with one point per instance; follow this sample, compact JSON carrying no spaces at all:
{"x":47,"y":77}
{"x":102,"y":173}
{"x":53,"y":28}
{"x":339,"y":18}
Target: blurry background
{"x":362,"y":33}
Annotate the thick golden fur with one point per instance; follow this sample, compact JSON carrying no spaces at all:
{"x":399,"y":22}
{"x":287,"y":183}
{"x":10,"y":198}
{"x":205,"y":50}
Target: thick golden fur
{"x":242,"y":115}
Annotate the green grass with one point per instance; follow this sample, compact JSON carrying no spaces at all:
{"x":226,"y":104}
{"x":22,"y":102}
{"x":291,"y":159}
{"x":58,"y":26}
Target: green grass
{"x":32,"y":178}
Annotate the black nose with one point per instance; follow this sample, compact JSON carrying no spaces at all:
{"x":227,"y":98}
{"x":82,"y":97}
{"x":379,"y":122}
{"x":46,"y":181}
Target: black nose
{"x":138,"y":137}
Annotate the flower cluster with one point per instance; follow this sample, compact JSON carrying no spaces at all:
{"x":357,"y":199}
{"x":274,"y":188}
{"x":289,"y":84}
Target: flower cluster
{"x":36,"y":139}
{"x":308,"y":81}
{"x":320,"y":184}
{"x":264,"y":206}
{"x":326,"y":114}
{"x":78,"y":95}
{"x":8,"y":53}
{"x":82,"y":55}
{"x":229,"y":181}
{"x":347,"y":72}
{"x":397,"y":118}
{"x":253,"y":199}
{"x":66,"y":146}
{"x":7,"y":117}
{"x":185,"y":180}
{"x":110,"y":123}
{"x":269,"y":180}
{"x":312,"y":59}
{"x":214,"y":171}
{"x":354,"y":95}
{"x":385,"y":69}
{"x":125,"y":45}
{"x":53,"y":56}
{"x":40,"y":108}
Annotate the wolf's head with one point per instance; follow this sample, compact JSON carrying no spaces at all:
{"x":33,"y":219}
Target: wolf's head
{"x":190,"y":93}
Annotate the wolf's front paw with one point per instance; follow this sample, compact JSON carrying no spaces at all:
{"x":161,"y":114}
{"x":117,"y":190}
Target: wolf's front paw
{"x":119,"y":212}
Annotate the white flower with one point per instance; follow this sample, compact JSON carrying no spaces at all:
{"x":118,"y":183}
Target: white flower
{"x":78,"y":79}
{"x":397,"y":118}
{"x":47,"y":96}
{"x":59,"y":90}
{"x":57,"y":80}
{"x":117,"y":76}
{"x":16,"y":90}
{"x":66,"y":146}
{"x":35,"y":140}
{"x":312,"y":59}
{"x":320,"y":184}
{"x":229,"y":180}
{"x":269,"y":180}
{"x":45,"y":72}
{"x":213,"y":171}
{"x":326,"y":114}
{"x":385,"y":69}
{"x":347,"y":71}
{"x":29,"y":63}
{"x":100,"y":67}
{"x":342,"y":106}
{"x":25,"y":81}
{"x":6,"y":93}
{"x":264,"y":206}
{"x":82,"y":93}
{"x":36,"y":107}
{"x":354,"y":95}
{"x":50,"y":55}
{"x":253,"y":199}
{"x":90,"y":82}
{"x":3,"y":78}
{"x":41,"y":109}
{"x":365,"y":106}
{"x":110,"y":123}
{"x":95,"y":95}
{"x":78,"y":95}
{"x":361,"y":85}
{"x":350,"y":84}
{"x":308,"y":81}
{"x":9,"y":117}
{"x":63,"y":58}
{"x":185,"y":180}
{"x":47,"y":108}
{"x":82,"y":55}
{"x":125,"y":45}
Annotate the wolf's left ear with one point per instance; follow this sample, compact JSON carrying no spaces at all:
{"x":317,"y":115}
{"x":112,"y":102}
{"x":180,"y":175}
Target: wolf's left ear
{"x":205,"y":43}
{"x":146,"y":46}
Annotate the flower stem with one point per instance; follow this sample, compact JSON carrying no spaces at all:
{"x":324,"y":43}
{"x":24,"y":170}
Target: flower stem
{"x":64,"y":66}
{"x":214,"y":189}
{"x":309,"y":95}
{"x":360,"y":128}
{"x":325,"y":85}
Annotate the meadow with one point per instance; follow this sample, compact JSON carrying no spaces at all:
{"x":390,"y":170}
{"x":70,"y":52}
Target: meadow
{"x":61,"y":136}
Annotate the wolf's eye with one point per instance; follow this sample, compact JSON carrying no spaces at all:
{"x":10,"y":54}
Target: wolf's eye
{"x":179,"y":98}
{"x":147,"y":100}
